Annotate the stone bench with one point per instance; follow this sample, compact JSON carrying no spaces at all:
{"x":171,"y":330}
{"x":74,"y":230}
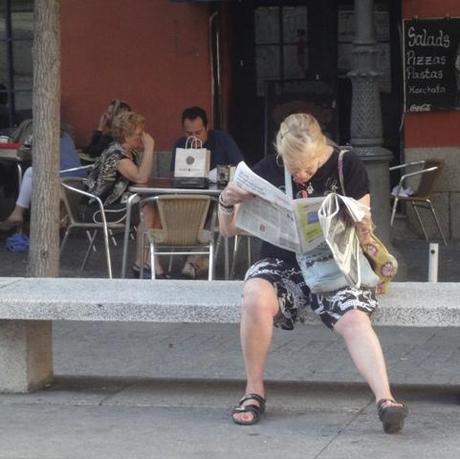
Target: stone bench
{"x":28,"y":306}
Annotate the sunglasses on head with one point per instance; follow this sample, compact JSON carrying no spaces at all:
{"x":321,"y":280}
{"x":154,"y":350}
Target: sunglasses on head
{"x":120,"y":105}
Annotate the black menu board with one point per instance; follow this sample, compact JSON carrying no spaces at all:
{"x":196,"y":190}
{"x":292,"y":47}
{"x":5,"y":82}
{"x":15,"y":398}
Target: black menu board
{"x":432,"y":64}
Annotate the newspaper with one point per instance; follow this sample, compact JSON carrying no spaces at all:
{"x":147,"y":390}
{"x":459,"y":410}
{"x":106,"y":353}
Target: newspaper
{"x":274,"y":217}
{"x":335,"y":216}
{"x":300,"y":225}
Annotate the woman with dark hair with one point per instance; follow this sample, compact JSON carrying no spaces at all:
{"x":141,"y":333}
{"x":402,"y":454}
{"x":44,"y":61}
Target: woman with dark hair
{"x":102,"y":136}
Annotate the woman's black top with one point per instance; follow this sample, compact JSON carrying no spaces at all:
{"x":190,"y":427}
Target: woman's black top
{"x":325,"y":180}
{"x":99,"y":143}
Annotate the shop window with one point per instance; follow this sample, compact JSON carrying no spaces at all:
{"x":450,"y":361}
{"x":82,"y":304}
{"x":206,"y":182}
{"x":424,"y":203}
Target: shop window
{"x":16,"y":75}
{"x":346,"y":30}
{"x":281,"y":42}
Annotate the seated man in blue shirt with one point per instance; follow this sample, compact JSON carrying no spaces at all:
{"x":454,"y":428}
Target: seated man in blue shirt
{"x":224,"y":150}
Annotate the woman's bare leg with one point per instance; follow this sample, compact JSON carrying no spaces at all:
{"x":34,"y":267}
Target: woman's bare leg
{"x":16,"y":218}
{"x":259,"y":307}
{"x":365,"y":350}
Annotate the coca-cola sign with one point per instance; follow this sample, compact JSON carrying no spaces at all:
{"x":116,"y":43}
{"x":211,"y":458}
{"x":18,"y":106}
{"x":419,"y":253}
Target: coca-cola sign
{"x":432,"y":64}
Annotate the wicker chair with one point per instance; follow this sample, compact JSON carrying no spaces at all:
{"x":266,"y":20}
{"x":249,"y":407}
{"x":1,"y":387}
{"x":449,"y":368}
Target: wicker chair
{"x":429,"y":174}
{"x":182,"y":231}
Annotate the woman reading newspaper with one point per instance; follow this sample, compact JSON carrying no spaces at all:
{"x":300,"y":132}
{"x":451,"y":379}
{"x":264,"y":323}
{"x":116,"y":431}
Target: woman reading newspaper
{"x":275,"y":292}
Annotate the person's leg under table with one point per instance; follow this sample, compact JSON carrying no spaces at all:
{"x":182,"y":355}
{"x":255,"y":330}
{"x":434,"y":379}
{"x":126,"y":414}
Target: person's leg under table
{"x":16,"y":218}
{"x":149,"y":220}
{"x":129,"y":207}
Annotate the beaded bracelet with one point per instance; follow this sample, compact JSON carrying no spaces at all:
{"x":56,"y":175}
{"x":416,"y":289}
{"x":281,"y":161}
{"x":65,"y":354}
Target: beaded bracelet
{"x":223,"y":204}
{"x":225,"y":209}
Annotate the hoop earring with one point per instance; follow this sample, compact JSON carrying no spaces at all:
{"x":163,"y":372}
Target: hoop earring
{"x":279,"y":160}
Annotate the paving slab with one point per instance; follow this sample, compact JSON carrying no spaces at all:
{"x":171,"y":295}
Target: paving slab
{"x":69,"y":391}
{"x":141,"y":421}
{"x":281,"y":396}
{"x":136,"y":432}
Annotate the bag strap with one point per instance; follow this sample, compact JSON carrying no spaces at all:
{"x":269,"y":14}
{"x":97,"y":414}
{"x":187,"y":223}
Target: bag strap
{"x":340,"y":169}
{"x":288,"y":183}
{"x":193,"y":142}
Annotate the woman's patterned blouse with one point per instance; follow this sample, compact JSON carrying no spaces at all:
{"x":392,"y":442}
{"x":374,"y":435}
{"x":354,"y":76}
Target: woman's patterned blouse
{"x":104,"y":180}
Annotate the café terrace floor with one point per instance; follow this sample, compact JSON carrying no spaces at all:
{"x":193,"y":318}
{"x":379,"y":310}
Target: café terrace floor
{"x":412,"y":253}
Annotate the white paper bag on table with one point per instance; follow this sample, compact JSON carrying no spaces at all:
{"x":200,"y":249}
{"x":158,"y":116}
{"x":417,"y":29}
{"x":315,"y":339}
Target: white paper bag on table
{"x":193,"y":160}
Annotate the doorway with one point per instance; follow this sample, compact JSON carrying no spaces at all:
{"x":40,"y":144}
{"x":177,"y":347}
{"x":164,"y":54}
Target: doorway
{"x":294,"y":55}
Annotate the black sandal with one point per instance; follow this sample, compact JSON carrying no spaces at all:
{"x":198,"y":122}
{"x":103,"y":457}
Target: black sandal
{"x":137,"y":271}
{"x":256,"y":410}
{"x":392,"y":416}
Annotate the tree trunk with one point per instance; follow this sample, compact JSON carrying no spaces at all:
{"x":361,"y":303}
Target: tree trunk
{"x":44,"y":227}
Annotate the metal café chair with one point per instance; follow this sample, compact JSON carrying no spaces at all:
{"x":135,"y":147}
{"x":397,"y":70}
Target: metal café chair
{"x":429,"y":174}
{"x":183,"y":219}
{"x":236,"y":250}
{"x":72,"y":191}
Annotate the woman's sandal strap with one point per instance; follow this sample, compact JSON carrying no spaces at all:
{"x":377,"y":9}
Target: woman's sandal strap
{"x":137,"y":268}
{"x":255,"y":410}
{"x":258,"y":398}
{"x":393,"y":404}
{"x":393,"y":415}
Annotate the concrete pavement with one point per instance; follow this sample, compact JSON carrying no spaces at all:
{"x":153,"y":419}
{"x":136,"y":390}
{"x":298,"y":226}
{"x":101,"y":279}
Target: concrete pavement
{"x":190,"y":420}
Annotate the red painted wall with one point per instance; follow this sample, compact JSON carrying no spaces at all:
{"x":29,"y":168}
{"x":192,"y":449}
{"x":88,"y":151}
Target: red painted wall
{"x":226,"y":60}
{"x":439,"y":129}
{"x":152,"y":53}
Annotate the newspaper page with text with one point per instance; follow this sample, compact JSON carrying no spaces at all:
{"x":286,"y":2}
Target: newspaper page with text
{"x":300,"y":225}
{"x":273,"y":217}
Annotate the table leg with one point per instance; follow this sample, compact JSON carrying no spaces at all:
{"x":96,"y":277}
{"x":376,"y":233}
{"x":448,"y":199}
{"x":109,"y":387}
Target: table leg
{"x":19,"y":176}
{"x":129,"y":205}
{"x":226,"y":259}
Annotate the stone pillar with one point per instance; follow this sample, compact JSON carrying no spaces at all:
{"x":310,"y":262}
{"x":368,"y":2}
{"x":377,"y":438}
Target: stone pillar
{"x":366,"y":115}
{"x":26,"y":360}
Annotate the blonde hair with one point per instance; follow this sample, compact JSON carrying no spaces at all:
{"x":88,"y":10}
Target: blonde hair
{"x":299,"y":135}
{"x":124,"y":124}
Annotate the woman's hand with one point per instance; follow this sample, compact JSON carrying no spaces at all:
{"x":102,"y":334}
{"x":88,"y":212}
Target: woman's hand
{"x":104,"y":122}
{"x":129,"y":169}
{"x":365,"y":230}
{"x":148,"y":142}
{"x":232,"y":194}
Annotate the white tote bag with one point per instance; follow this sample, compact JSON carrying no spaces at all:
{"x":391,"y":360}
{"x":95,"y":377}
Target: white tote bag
{"x":193,"y":160}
